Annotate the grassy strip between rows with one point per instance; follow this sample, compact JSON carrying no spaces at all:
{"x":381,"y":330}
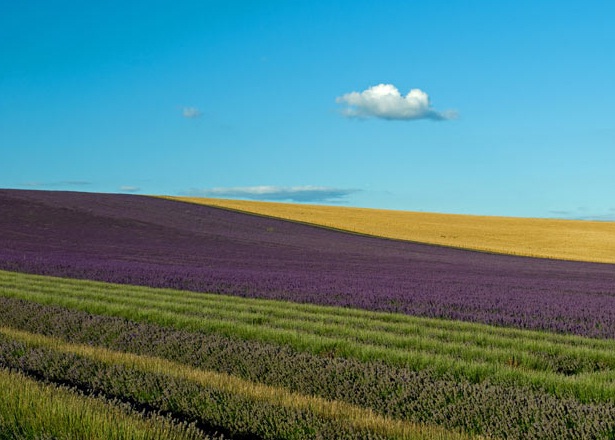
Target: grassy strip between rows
{"x":318,"y":329}
{"x":359,"y":318}
{"x":494,"y":410}
{"x":378,"y":329}
{"x":460,"y":344}
{"x":441,"y":329}
{"x":261,"y":311}
{"x":340,"y":413}
{"x":533,"y":237}
{"x":29,"y":409}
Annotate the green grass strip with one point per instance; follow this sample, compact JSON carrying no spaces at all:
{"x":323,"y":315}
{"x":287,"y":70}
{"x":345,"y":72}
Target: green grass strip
{"x":388,"y":321}
{"x":29,"y":409}
{"x":475,"y":351}
{"x":451,"y":345}
{"x":346,"y":414}
{"x":266,"y":312}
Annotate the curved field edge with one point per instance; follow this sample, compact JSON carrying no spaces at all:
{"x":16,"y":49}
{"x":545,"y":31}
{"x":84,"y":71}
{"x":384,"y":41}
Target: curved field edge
{"x":30,"y":409}
{"x":441,"y":345}
{"x":347,"y":417}
{"x":164,"y":243}
{"x":573,"y":240}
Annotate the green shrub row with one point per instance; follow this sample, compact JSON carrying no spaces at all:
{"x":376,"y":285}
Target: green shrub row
{"x":214,"y":400}
{"x":582,"y":368}
{"x":32,"y":410}
{"x":487,"y":408}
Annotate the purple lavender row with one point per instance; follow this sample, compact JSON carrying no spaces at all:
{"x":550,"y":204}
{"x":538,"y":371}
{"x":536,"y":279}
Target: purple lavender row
{"x":161,"y":243}
{"x":496,"y":410}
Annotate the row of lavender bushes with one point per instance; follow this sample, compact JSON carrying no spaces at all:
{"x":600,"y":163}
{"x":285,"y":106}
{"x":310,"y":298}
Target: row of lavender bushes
{"x":161,"y":243}
{"x":481,"y":408}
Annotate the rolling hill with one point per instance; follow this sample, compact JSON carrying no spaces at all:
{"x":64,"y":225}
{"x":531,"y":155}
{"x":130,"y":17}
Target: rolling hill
{"x":544,"y":238}
{"x":184,"y":320}
{"x":165,"y":243}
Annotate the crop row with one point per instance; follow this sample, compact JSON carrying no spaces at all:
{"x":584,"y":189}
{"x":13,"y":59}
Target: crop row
{"x":241,"y":407}
{"x":453,"y":339}
{"x":161,"y":243}
{"x":565,"y":366}
{"x":496,"y":410}
{"x":31,"y":410}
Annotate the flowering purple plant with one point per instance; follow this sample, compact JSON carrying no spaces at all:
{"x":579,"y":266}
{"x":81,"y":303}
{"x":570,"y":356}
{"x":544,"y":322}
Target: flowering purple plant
{"x":162,"y":243}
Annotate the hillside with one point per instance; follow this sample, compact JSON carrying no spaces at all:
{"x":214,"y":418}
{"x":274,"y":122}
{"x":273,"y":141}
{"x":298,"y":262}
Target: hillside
{"x":182,"y":320}
{"x":546,"y":238}
{"x":162,"y":243}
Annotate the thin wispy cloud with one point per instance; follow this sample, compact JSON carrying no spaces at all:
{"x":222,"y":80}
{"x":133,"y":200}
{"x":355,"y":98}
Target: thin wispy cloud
{"x":384,"y":101}
{"x":75,"y":183}
{"x":307,"y":193}
{"x":129,"y":188}
{"x":191,"y":112}
{"x":583,"y":213}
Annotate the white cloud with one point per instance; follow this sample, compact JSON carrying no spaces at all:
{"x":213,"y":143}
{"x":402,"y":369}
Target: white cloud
{"x":293,"y":193}
{"x":129,"y":188}
{"x":191,"y":112}
{"x":384,"y":101}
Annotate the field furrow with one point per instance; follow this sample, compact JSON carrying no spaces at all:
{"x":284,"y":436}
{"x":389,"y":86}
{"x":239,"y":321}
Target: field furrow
{"x":257,"y":327}
{"x":506,"y":410}
{"x":518,"y":358}
{"x":249,"y":408}
{"x":29,"y":409}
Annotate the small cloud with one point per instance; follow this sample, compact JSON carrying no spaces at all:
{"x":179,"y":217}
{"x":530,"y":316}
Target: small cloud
{"x":191,"y":112}
{"x":293,"y":193}
{"x":129,"y":188}
{"x":384,"y":101}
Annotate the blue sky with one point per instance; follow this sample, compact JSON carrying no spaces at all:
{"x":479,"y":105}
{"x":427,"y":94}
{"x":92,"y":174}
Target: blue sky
{"x":479,"y":107}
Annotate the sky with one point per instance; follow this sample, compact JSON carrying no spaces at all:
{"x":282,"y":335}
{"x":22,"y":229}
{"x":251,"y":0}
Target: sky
{"x":472,"y":107}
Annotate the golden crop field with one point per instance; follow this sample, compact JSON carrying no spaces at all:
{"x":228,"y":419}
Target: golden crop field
{"x":576,"y":240}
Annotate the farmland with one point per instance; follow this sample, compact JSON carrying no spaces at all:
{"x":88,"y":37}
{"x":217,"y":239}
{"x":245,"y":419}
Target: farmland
{"x":29,"y":408}
{"x":546,"y":238}
{"x":190,"y":321}
{"x":159,"y":243}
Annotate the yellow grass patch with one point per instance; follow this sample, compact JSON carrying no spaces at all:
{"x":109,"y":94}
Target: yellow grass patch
{"x":546,"y":238}
{"x":337,"y":410}
{"x":30,"y":409}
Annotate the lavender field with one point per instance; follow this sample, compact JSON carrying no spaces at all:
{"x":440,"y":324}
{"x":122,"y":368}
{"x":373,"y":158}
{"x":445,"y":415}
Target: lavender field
{"x":160,"y":243}
{"x":159,"y":311}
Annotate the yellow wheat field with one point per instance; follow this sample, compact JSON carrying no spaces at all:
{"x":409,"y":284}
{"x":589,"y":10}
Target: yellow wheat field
{"x":547,"y":238}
